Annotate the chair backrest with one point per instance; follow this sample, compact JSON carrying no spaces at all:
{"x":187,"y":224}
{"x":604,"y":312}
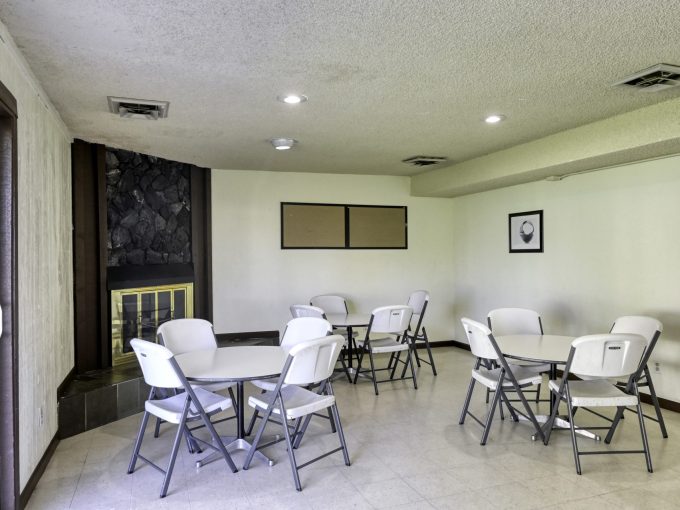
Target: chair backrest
{"x":479,"y":338}
{"x":514,"y":321}
{"x":648,"y":327}
{"x":418,"y":301}
{"x":185,"y":335}
{"x":313,"y":361}
{"x":302,"y":329}
{"x":330,"y":303}
{"x":156,"y":364}
{"x":606,"y":355}
{"x":390,"y":319}
{"x":307,"y":311}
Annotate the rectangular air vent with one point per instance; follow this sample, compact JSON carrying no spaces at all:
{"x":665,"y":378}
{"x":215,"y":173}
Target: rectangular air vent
{"x":654,"y":79}
{"x":423,"y":160}
{"x":138,"y":108}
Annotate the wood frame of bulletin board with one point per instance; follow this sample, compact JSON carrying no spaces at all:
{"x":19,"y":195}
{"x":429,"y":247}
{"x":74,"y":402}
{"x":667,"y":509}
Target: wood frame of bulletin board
{"x":307,"y":226}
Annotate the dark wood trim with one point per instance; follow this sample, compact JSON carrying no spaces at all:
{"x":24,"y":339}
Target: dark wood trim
{"x":67,"y":380}
{"x":9,"y":344}
{"x":455,"y":343}
{"x":103,"y":256}
{"x":208,"y":245}
{"x":200,"y":242}
{"x":89,"y":257}
{"x":665,"y":403}
{"x":38,"y":472}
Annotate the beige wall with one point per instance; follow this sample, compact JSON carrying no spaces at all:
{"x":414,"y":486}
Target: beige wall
{"x":45,"y":258}
{"x":255,"y":281}
{"x":611,"y":248}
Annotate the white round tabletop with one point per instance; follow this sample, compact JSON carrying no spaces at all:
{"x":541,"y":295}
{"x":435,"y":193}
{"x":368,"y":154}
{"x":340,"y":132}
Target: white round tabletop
{"x":352,"y":320}
{"x":541,"y":348}
{"x":241,"y":363}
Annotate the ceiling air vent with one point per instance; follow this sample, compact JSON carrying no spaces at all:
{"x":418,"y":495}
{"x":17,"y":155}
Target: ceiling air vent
{"x":653,"y":79}
{"x":138,"y":108}
{"x":423,"y":160}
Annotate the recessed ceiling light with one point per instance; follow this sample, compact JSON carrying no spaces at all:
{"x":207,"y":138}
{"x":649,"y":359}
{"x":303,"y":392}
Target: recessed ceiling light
{"x":292,"y":98}
{"x":283,"y":144}
{"x":494,"y":119}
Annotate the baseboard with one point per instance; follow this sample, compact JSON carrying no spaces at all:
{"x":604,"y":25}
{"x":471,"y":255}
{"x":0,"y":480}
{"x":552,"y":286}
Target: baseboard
{"x":247,"y":337}
{"x":69,"y":377}
{"x":38,"y":472}
{"x":454,"y":343}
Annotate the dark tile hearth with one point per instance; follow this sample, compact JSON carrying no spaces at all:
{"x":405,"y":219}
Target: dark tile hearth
{"x":99,"y":397}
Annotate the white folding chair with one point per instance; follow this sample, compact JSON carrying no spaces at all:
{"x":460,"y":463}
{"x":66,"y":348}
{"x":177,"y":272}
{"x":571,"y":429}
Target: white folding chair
{"x":392,"y":321}
{"x":187,"y":335}
{"x":493,"y":371}
{"x":650,"y":328}
{"x":416,"y":332}
{"x":298,"y":330}
{"x":161,"y":371}
{"x":308,"y":363}
{"x":518,"y":321}
{"x":597,"y":358}
{"x":330,"y":303}
{"x":306,"y":311}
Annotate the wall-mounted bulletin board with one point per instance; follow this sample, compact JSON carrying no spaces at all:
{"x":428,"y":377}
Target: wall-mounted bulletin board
{"x":343,"y":226}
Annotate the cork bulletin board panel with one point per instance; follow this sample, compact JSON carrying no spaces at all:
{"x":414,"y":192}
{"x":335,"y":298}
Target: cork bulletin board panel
{"x":343,"y":226}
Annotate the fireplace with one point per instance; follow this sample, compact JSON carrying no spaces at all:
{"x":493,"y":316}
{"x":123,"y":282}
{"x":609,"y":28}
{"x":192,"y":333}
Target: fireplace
{"x":137,"y":313}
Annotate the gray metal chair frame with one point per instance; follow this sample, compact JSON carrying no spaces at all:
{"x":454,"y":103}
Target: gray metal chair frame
{"x":192,"y":446}
{"x":187,"y":416}
{"x":294,"y":438}
{"x":641,"y":378}
{"x":419,"y":334}
{"x":563,"y":394}
{"x":505,"y":374}
{"x":391,"y":366}
{"x":537,"y":391}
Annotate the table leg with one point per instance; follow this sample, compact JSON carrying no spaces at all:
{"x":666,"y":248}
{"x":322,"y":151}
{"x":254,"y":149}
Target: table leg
{"x":561,"y":422}
{"x":239,"y":442}
{"x":350,"y":354}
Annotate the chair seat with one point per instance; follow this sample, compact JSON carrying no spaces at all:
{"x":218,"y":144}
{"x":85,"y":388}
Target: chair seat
{"x":170,"y":409}
{"x":489,"y":378}
{"x":535,"y":367}
{"x":596,"y":393}
{"x":265,"y":384}
{"x":386,"y":344}
{"x":219,"y":386}
{"x":297,"y":401}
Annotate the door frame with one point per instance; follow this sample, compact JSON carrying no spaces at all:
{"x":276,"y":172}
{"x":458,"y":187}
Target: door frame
{"x":9,"y":352}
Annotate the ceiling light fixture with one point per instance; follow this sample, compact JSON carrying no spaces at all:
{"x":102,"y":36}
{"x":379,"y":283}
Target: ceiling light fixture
{"x":292,"y":98}
{"x":494,"y":119}
{"x":283,"y":144}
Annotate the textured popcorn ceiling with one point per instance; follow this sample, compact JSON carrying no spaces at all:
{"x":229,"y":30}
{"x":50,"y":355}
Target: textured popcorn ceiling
{"x":386,"y":79}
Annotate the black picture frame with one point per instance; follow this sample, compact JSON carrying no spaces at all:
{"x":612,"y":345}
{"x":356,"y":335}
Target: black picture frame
{"x":525,"y":232}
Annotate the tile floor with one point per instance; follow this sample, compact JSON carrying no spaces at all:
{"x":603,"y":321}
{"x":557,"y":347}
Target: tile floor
{"x":407,"y":451}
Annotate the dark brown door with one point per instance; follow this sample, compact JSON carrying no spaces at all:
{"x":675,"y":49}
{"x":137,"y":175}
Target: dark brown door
{"x":9,"y":400}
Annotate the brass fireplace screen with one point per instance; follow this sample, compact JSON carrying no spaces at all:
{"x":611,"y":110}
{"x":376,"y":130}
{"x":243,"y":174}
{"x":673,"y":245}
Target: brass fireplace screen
{"x":136,"y":313}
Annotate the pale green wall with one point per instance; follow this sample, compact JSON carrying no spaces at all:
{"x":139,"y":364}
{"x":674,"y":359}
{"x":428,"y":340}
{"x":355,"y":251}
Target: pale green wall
{"x":44,"y":257}
{"x":612,"y":247}
{"x":255,"y":281}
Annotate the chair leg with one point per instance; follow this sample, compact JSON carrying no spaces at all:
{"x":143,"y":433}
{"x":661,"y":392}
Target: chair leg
{"x":359,"y":361}
{"x":289,"y":443}
{"x":175,"y":446}
{"x":655,"y":401}
{"x":538,"y":393}
{"x":260,"y":431}
{"x":138,"y":443}
{"x":615,"y":422}
{"x":234,"y":402}
{"x":397,"y":358}
{"x":157,"y":429}
{"x":375,"y":382}
{"x":551,"y":420}
{"x":572,"y":429}
{"x":643,"y":431}
{"x":466,"y":404}
{"x":413,"y":370}
{"x":341,"y":434}
{"x":429,"y":352}
{"x":513,"y":415}
{"x":489,"y":417}
{"x":251,"y":424}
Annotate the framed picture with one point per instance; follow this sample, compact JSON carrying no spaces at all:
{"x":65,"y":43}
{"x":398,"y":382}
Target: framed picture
{"x":525,"y":231}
